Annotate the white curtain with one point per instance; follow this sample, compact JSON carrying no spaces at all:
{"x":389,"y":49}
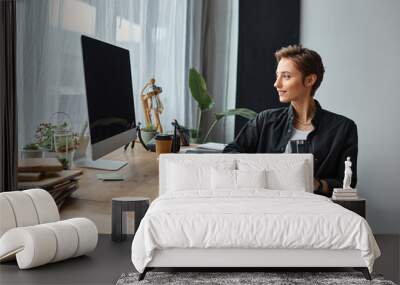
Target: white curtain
{"x":212,"y":42}
{"x":220,"y":63}
{"x":156,"y":32}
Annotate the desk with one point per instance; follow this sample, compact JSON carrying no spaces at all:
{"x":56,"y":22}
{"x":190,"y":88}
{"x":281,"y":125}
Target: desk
{"x":140,"y":177}
{"x":93,"y":197}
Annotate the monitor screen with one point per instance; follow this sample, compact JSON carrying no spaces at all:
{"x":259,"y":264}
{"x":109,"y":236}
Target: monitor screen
{"x":109,"y":91}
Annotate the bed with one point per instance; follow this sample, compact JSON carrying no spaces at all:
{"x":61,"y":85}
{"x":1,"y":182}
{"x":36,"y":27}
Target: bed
{"x":247,"y":210}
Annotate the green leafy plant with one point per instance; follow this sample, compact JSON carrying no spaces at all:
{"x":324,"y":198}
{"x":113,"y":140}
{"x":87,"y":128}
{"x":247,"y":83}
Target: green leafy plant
{"x":194,"y":135}
{"x":198,"y":89}
{"x":31,"y":146}
{"x":45,"y":137}
{"x":242,"y":112}
{"x":64,"y":162}
{"x":67,"y":144}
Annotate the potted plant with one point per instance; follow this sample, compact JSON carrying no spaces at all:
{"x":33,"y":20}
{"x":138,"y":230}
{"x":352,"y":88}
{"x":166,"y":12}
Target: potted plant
{"x":65,"y":143}
{"x":57,"y":141}
{"x":45,"y":136}
{"x":31,"y":150}
{"x":242,"y":112}
{"x":194,"y":136}
{"x":148,"y":133}
{"x":198,"y":88}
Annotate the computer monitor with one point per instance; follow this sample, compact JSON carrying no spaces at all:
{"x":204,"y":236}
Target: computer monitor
{"x":110,"y":104}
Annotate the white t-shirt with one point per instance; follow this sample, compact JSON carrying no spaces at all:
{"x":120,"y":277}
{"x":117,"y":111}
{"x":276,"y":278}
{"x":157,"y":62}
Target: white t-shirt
{"x":296,"y":136}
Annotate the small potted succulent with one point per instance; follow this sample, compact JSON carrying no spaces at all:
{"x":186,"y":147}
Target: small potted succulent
{"x":148,"y":133}
{"x":32,"y":150}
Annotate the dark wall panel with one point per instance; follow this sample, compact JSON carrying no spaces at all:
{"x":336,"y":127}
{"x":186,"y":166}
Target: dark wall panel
{"x":264,"y":27}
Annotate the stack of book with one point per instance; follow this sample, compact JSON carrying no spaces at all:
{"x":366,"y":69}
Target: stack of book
{"x":62,"y":190}
{"x":48,"y":174}
{"x":344,"y":194}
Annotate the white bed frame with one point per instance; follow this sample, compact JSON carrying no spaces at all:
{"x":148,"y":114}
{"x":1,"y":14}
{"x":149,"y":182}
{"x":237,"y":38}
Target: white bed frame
{"x":250,"y":258}
{"x":234,"y":257}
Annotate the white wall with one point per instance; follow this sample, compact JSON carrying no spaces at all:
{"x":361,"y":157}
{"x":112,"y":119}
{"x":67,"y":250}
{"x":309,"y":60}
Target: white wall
{"x":359,"y":42}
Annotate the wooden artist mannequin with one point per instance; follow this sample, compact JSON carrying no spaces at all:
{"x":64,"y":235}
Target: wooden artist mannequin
{"x":152,"y":95}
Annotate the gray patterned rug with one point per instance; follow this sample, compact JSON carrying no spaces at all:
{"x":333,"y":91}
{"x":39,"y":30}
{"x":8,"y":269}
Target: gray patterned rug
{"x":228,"y":278}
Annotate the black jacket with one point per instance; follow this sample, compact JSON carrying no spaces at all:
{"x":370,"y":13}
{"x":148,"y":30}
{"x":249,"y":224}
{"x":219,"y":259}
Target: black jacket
{"x":333,"y":139}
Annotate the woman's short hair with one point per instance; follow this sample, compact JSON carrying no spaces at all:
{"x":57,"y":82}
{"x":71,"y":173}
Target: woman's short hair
{"x":306,"y":60}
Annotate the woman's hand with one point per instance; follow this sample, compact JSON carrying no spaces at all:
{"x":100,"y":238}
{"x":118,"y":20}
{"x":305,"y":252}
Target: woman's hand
{"x":318,"y":183}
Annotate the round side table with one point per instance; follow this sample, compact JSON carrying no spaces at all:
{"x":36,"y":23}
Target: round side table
{"x":139,"y":205}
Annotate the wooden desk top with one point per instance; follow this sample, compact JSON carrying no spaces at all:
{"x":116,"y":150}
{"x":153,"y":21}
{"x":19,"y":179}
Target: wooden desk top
{"x":140,"y":177}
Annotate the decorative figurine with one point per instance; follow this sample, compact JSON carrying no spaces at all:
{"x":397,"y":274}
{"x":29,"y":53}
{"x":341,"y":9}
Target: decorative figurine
{"x":151,"y":102}
{"x":347,"y":174}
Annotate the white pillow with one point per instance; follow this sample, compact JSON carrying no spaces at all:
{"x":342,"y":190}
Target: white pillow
{"x":291,"y":178}
{"x":226,"y":179}
{"x":190,"y":175}
{"x":223,"y":179}
{"x":281,"y":175}
{"x":251,"y":178}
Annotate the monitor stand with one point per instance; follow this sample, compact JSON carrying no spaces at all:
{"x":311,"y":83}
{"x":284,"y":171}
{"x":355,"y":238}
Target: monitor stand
{"x":81,"y":159}
{"x":100,"y":164}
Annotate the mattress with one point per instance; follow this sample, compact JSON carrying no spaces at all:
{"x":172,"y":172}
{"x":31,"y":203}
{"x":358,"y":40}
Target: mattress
{"x":250,"y":219}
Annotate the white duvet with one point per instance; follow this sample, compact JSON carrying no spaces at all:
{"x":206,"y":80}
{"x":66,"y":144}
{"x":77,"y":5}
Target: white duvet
{"x":250,"y":219}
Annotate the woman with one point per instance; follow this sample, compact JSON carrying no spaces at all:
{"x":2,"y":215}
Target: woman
{"x":303,"y":126}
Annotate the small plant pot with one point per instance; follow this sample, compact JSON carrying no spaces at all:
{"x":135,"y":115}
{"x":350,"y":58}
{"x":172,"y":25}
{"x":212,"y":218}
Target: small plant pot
{"x":31,"y":153}
{"x":195,"y":141}
{"x":66,"y":159}
{"x":147,"y":136}
{"x":194,"y":136}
